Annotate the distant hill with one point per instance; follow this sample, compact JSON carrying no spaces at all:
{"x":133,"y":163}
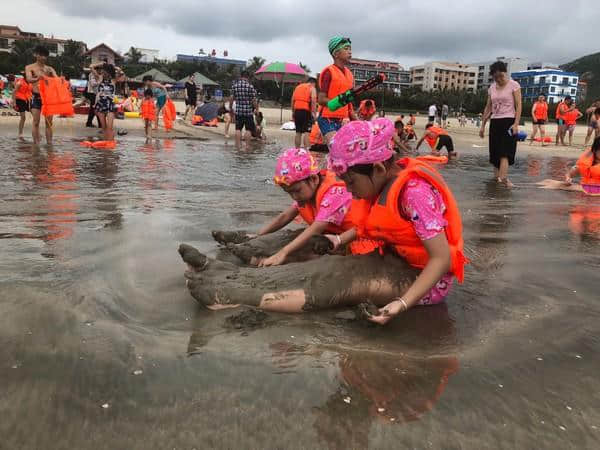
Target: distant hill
{"x":588,"y":68}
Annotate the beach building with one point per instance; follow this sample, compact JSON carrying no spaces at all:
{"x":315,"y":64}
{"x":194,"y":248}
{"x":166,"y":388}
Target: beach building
{"x":554,"y":84}
{"x":396,"y":77}
{"x":484,"y":79}
{"x":9,"y":34}
{"x":439,"y":75}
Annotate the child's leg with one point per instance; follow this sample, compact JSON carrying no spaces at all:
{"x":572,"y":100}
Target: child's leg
{"x":21,"y":123}
{"x":35,"y":126}
{"x":48,"y":122}
{"x":102,"y":119}
{"x":534,"y":132}
{"x":109,"y":132}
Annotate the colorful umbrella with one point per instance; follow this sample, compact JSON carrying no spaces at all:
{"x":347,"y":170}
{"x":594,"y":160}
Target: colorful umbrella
{"x":281,"y":72}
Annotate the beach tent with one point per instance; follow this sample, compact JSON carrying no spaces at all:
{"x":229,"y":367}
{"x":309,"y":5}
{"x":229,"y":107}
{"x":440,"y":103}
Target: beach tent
{"x":157,"y":75}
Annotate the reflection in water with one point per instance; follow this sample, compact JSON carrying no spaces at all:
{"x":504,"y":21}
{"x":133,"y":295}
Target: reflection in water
{"x":585,"y":221}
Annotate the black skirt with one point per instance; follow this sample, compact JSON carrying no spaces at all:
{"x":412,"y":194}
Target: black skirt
{"x":502,"y":145}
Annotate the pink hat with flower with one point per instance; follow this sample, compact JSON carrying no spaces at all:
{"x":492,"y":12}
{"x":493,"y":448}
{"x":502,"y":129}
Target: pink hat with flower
{"x":293,"y":165}
{"x":361,"y":142}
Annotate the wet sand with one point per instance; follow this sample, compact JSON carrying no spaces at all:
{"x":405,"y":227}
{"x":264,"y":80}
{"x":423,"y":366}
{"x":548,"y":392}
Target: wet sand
{"x":103,"y":347}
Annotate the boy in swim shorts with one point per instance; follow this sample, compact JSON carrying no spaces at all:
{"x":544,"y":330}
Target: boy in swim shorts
{"x":33,"y":74}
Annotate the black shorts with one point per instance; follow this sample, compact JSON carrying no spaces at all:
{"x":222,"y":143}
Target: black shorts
{"x":540,"y":122}
{"x":22,"y":105}
{"x":245,"y":122}
{"x":502,"y":144}
{"x":431,"y":119}
{"x":302,"y":120}
{"x":191,"y":101}
{"x":36,"y":101}
{"x":445,"y":141}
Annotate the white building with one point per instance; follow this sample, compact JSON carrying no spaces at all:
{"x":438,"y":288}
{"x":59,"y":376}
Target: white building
{"x":484,"y":79}
{"x":438,"y":75}
{"x":554,"y":84}
{"x":149,"y":55}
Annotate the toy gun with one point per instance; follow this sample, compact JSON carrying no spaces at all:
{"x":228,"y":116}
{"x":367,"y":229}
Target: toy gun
{"x":349,"y":96}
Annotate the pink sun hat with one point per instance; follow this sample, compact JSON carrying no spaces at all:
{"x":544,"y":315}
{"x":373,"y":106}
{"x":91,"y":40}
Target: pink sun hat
{"x":293,"y":165}
{"x":361,"y":142}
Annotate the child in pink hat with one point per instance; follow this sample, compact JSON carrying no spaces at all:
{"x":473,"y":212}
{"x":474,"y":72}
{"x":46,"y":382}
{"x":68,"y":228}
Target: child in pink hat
{"x":412,"y":210}
{"x":319,"y":198}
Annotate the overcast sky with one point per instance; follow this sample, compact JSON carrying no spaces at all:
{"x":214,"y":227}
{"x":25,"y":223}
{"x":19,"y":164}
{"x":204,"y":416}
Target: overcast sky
{"x":405,"y":31}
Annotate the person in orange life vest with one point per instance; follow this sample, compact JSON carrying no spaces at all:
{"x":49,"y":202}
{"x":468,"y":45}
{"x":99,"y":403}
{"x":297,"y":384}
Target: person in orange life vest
{"x":108,"y":75}
{"x":588,"y":166}
{"x":561,"y":109}
{"x":33,"y":74}
{"x":21,"y":101}
{"x":319,"y":198}
{"x":539,"y":116}
{"x":412,"y":210}
{"x":366,"y":110}
{"x":148,"y":112}
{"x":571,"y":117}
{"x":304,"y":110}
{"x":334,"y":80}
{"x":437,"y":138}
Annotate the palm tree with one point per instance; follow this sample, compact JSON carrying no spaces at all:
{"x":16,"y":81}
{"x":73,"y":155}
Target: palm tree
{"x":304,"y":67}
{"x":255,"y":63}
{"x":70,"y":62}
{"x":134,"y":55}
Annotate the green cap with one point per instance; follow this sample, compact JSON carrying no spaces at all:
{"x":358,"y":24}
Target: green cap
{"x":336,"y":42}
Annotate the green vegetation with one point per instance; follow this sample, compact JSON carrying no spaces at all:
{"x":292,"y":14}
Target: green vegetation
{"x":588,"y":68}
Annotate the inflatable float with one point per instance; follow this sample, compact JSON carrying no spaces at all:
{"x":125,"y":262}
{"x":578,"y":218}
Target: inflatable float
{"x":132,"y":114}
{"x":108,"y":145}
{"x":546,"y":139}
{"x":433,"y":159}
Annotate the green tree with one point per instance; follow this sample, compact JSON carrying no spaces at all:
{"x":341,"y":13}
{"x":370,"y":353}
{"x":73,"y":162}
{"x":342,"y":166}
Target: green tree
{"x":22,"y":53}
{"x":70,"y":62}
{"x":134,"y":55}
{"x":255,"y":63}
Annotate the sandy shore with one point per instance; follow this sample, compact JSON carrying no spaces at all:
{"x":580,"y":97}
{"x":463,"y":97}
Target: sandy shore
{"x":466,"y":139}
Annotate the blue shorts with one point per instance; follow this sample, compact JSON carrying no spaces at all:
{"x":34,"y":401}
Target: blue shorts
{"x":327,"y":125}
{"x":560,"y":122}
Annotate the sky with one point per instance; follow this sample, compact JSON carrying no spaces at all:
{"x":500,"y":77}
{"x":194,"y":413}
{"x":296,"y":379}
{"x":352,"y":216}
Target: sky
{"x":405,"y":31}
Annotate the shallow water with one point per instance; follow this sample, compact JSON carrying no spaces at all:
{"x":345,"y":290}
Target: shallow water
{"x":93,"y":293}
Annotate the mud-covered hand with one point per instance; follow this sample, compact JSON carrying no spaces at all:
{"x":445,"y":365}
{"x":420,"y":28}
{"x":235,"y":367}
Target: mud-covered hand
{"x":388,"y":312}
{"x":276,"y":260}
{"x":336,"y":241}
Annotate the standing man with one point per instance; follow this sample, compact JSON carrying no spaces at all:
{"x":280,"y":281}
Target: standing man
{"x":191,"y":96}
{"x":445,"y":111}
{"x":21,"y":101}
{"x":244,"y":96}
{"x":33,"y":74}
{"x":431,"y":113}
{"x":91,"y":91}
{"x":304,"y":110}
{"x":334,"y":80}
{"x":539,"y":116}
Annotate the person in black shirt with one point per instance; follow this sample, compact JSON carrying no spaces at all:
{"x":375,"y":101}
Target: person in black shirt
{"x":191,"y":96}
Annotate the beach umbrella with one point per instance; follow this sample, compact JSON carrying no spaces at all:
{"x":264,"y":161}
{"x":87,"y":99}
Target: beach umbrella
{"x":281,"y":73}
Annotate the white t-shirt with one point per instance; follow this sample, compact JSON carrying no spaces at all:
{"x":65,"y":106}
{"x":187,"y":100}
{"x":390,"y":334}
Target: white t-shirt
{"x":432,"y":111}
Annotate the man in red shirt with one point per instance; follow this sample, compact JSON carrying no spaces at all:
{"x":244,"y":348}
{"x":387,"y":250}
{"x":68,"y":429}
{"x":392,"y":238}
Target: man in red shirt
{"x":304,"y":109}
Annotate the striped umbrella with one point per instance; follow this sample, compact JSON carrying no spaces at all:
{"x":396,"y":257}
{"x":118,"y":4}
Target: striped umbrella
{"x":281,"y":73}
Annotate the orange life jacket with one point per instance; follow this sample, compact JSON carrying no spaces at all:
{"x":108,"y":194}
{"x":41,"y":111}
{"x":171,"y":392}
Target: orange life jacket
{"x":367,"y":112}
{"x":385,"y":221}
{"x":437,"y":131}
{"x":559,"y":110}
{"x":301,"y":96}
{"x":570,"y":117}
{"x":169,"y":114}
{"x":56,"y":97}
{"x":355,"y":217}
{"x":109,"y":145}
{"x":315,"y":136}
{"x":408,"y":129}
{"x":23,"y":90}
{"x":541,"y":110}
{"x":197,"y":119}
{"x":341,"y":81}
{"x":433,"y":159}
{"x":590,"y":174}
{"x":148,"y":110}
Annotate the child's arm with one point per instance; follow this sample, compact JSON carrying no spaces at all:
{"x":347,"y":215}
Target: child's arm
{"x":280,"y":221}
{"x":300,"y":241}
{"x":570,"y":174}
{"x":421,"y":140}
{"x":399,"y":142}
{"x":338,"y":240}
{"x":438,"y":265}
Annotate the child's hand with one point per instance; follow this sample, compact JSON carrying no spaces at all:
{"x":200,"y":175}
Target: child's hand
{"x":276,"y":260}
{"x":335,"y":240}
{"x":568,"y":180}
{"x":388,"y":312}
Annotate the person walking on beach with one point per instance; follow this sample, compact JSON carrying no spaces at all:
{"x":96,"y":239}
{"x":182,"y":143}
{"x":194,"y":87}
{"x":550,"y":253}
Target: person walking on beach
{"x":561,"y":109}
{"x":33,"y":74}
{"x":334,"y":80}
{"x":91,"y":90}
{"x":244,"y":95}
{"x":504,"y":107}
{"x":445,"y":111}
{"x":304,"y":109}
{"x":431,"y":113}
{"x":539,"y":116}
{"x":191,"y":96}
